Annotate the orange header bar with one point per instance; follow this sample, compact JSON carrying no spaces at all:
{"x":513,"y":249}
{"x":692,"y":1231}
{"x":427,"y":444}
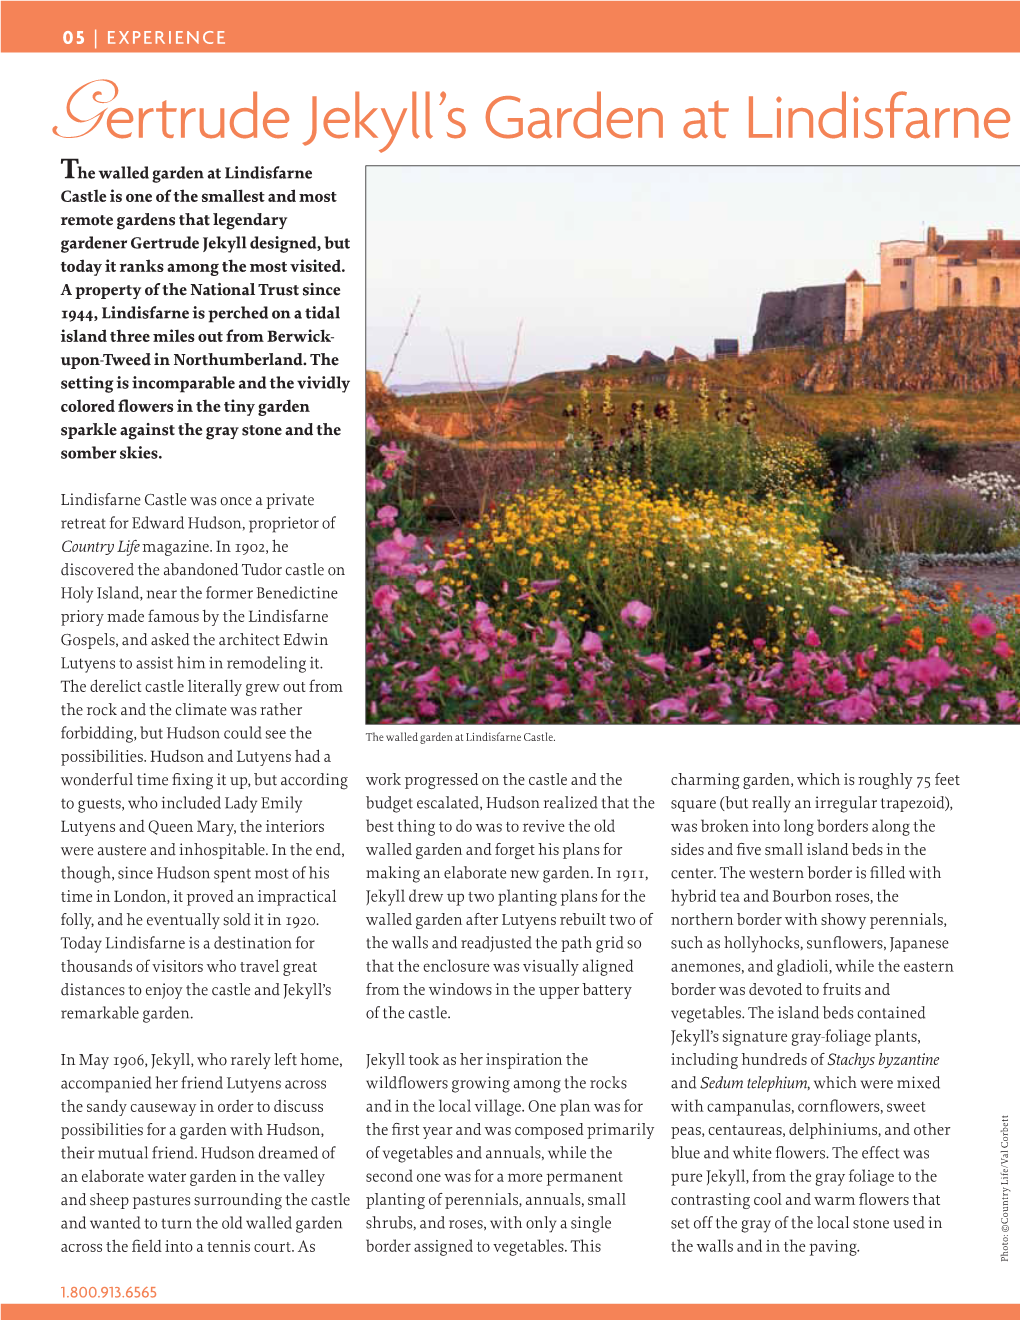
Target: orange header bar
{"x":483,"y":1311}
{"x":527,"y":26}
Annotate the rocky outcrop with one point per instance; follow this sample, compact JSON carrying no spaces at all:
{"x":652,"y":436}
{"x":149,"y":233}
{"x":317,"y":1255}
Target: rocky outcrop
{"x":812,"y":316}
{"x":969,"y":349}
{"x":477,"y":417}
{"x":403,"y":423}
{"x":375,"y":390}
{"x":613,"y":362}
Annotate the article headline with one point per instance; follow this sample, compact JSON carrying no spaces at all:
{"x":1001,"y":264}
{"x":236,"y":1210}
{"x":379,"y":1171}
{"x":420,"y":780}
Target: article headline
{"x":96,"y":105}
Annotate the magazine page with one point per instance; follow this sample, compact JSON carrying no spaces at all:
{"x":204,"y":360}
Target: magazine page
{"x":512,"y":548}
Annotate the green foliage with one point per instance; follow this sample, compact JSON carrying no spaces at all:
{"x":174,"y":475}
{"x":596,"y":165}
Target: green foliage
{"x":934,"y":453}
{"x":915,"y":512}
{"x":865,"y":454}
{"x":720,"y":451}
{"x":1007,"y":537}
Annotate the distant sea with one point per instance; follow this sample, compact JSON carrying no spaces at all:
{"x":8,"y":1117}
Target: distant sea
{"x":446,"y":387}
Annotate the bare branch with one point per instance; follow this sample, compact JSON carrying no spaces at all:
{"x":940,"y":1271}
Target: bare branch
{"x":460,"y":382}
{"x":486,"y":410}
{"x":403,"y":339}
{"x":513,"y":366}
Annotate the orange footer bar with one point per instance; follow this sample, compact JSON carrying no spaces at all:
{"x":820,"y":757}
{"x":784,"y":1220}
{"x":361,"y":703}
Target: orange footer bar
{"x":483,"y":1311}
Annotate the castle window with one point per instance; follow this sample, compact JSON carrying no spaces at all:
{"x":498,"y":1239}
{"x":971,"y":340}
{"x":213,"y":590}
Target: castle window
{"x":957,"y":286}
{"x":903,"y":284}
{"x":996,"y":284}
{"x":902,"y":261}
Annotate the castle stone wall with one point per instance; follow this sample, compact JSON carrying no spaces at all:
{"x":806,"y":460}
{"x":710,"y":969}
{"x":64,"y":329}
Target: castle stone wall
{"x":811,"y":315}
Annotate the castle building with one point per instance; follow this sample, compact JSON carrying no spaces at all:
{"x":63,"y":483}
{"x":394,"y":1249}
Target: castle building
{"x":921,"y":275}
{"x":925,"y":275}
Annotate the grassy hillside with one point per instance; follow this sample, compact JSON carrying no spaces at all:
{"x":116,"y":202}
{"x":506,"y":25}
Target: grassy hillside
{"x":535,"y":408}
{"x":968,"y":418}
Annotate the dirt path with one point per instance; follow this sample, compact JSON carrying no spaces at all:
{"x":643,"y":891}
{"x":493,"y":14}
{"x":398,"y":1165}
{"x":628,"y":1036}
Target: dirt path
{"x":997,"y":580}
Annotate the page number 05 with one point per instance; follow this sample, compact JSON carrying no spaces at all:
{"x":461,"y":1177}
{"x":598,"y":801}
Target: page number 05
{"x":74,"y":38}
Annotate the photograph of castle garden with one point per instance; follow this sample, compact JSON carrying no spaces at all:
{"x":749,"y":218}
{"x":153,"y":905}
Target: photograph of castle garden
{"x":693,"y":445}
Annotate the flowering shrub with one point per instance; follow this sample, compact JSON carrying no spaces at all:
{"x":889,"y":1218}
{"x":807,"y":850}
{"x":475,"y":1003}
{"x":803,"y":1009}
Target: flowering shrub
{"x":995,"y":487}
{"x":438,"y":652}
{"x":722,"y":452}
{"x":708,"y":567}
{"x":915,"y":512}
{"x":391,"y":470}
{"x":861,"y":456}
{"x":789,"y":462}
{"x":730,"y":459}
{"x":1002,"y":490}
{"x":447,"y":668}
{"x":814,"y":687}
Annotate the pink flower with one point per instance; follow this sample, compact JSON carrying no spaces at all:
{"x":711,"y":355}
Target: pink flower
{"x":637,"y":614}
{"x":560,"y":649}
{"x":1003,"y":650}
{"x":449,"y":643}
{"x":384,"y":599}
{"x":393,"y":455}
{"x":424,"y":683}
{"x":837,"y":612}
{"x":391,"y":554}
{"x":1005,"y":701}
{"x":855,"y":708}
{"x":669,"y":706}
{"x":373,"y":485}
{"x":719,"y":693}
{"x":978,"y":705}
{"x":656,"y":662}
{"x":982,"y":626}
{"x":812,"y":638}
{"x":552,"y":701}
{"x":478,"y":651}
{"x":540,"y":588}
{"x":372,"y":426}
{"x":387,"y":515}
{"x":591,"y":643}
{"x":759,"y":643}
{"x":762,"y":706}
{"x":891,"y":619}
{"x":932,"y":670}
{"x":424,"y":587}
{"x":836,"y":683}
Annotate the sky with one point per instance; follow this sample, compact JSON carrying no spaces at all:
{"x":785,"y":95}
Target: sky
{"x":619,"y":259}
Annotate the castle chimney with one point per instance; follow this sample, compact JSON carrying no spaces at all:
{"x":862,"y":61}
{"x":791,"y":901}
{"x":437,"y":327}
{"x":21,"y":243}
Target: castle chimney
{"x":995,"y":235}
{"x":932,"y":240}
